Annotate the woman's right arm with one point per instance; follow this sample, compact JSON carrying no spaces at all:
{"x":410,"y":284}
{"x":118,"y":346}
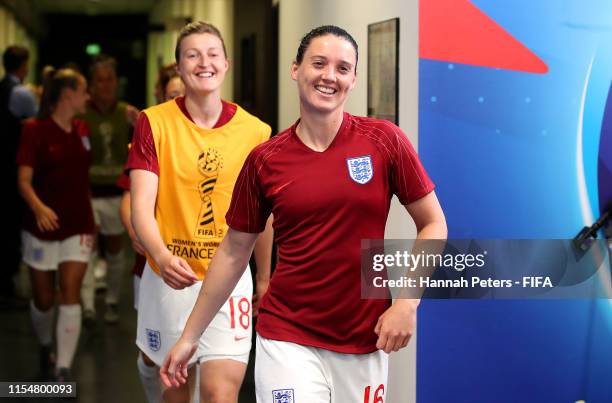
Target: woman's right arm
{"x":174,"y":270}
{"x":224,"y":272}
{"x":126,"y":214}
{"x":46,"y":219}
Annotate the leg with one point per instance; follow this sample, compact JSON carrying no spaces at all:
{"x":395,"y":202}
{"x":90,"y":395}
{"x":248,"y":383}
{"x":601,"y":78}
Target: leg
{"x":225,"y":345}
{"x":41,"y":308}
{"x":42,"y":313}
{"x":183,"y":393}
{"x":71,"y":278}
{"x":149,"y":378}
{"x":160,"y":322}
{"x":43,"y":288}
{"x":41,"y":258}
{"x":116,"y":267}
{"x":220,"y":380}
{"x":69,"y":318}
{"x":289,"y":372}
{"x":112,"y":230}
{"x":88,"y":288}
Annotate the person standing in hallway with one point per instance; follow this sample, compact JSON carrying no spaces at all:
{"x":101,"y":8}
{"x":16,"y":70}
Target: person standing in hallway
{"x":184,"y":161}
{"x":53,"y":179}
{"x":111,"y":122}
{"x":17,"y":103}
{"x":164,"y":75}
{"x":171,"y":86}
{"x":328,"y":180}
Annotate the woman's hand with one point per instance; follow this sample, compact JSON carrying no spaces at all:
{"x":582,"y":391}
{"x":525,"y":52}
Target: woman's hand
{"x":176,"y":271}
{"x":46,"y":219}
{"x":173,"y":371}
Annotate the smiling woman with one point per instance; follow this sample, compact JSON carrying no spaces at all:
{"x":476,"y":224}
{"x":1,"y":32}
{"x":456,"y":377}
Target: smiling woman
{"x":325,"y":70}
{"x":202,"y":63}
{"x":198,"y":144}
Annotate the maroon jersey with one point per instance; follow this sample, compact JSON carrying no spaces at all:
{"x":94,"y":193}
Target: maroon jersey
{"x":61,"y":175}
{"x":324,"y":204}
{"x":123,"y":182}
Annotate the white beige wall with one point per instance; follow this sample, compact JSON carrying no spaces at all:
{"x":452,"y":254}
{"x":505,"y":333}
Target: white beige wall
{"x":299,"y":16}
{"x":172,"y":14}
{"x":13,"y":33}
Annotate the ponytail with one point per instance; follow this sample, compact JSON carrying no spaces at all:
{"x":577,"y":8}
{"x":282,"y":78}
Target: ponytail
{"x":54,"y":82}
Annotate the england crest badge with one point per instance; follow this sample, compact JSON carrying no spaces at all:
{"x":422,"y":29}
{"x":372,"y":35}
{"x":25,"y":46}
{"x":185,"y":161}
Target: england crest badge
{"x":154,"y":339}
{"x":86,"y":143}
{"x":360,"y":169}
{"x":282,"y":396}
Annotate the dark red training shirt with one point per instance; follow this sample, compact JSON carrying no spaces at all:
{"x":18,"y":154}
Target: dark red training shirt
{"x":61,"y":175}
{"x":324,"y":204}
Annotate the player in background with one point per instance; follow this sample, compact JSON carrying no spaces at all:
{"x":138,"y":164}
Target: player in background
{"x":53,"y":178}
{"x":111,"y":123}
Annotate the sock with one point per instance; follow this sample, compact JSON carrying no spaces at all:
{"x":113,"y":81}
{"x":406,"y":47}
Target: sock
{"x":43,"y":324}
{"x":115,"y":270}
{"x":88,"y":288}
{"x":149,"y":378}
{"x":68,"y":330}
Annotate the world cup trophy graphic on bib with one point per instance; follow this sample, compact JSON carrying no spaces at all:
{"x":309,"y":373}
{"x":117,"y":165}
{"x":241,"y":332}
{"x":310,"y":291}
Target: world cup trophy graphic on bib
{"x":209,"y":163}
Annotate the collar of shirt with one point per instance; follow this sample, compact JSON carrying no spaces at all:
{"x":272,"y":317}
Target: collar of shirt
{"x":14,"y":78}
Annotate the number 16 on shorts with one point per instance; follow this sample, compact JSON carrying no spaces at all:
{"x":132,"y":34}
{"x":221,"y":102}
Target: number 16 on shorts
{"x":379,"y":393}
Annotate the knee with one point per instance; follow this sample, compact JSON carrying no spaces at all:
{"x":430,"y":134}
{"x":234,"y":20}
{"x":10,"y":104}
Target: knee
{"x":43,"y":303}
{"x":70,"y":294}
{"x":219,"y":393}
{"x":43,"y":300}
{"x":173,"y":395}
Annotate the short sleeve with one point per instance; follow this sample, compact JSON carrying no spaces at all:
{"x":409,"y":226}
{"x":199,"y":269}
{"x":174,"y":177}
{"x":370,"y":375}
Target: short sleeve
{"x":409,"y":181}
{"x":27,"y":152}
{"x":22,"y":103}
{"x":249,"y":210}
{"x":123,"y":182}
{"x":143,"y":154}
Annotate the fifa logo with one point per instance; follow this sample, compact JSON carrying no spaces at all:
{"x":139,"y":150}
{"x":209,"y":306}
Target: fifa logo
{"x":209,"y":163}
{"x":106,"y":133}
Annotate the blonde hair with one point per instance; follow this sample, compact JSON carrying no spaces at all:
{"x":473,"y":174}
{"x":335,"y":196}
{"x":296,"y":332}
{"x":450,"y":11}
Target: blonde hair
{"x":54,"y":81}
{"x":197,"y":27}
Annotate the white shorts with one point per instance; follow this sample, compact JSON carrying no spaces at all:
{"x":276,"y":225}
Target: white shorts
{"x":163,"y":313}
{"x":47,"y":255}
{"x":136,"y":290}
{"x":288,"y":372}
{"x":107,"y":216}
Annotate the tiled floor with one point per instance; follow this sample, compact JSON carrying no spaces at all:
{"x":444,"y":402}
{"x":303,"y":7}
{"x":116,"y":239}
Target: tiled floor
{"x":105,"y":364}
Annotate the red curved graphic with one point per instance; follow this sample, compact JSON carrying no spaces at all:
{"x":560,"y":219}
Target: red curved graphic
{"x":457,"y":31}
